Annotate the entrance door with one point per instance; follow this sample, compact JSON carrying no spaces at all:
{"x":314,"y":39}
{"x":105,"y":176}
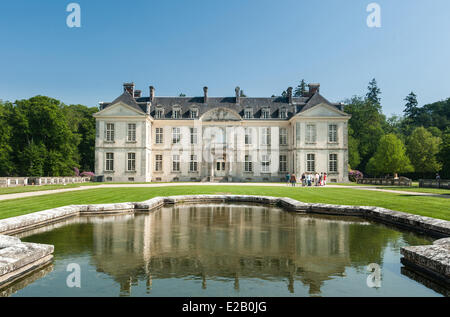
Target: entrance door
{"x":220,"y":167}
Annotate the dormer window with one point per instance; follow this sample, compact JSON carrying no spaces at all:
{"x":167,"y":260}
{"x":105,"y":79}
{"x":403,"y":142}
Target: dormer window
{"x":283,"y":113}
{"x":159,"y":113}
{"x":248,"y":113}
{"x":265,"y":113}
{"x":194,"y":113}
{"x":176,"y":113}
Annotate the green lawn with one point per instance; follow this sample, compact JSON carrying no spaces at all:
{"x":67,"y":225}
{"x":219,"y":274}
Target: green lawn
{"x":436,"y":207}
{"x":25,"y":189}
{"x":441,"y":191}
{"x":414,"y":188}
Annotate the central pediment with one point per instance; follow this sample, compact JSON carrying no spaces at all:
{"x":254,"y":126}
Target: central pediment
{"x":221,"y":114}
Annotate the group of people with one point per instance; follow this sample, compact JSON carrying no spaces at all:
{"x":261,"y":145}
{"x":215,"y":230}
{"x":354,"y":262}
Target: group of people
{"x":308,"y":179}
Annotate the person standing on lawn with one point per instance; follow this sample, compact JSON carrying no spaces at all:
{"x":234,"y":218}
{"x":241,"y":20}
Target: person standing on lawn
{"x":293,"y":180}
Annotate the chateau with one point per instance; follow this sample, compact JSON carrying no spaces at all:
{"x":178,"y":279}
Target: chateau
{"x":220,"y":139}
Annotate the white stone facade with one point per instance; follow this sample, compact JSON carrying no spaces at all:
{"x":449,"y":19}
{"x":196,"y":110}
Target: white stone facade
{"x":132,"y":145}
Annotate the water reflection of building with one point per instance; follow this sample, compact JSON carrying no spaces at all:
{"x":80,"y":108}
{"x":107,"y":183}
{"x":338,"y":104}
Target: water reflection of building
{"x":232,"y":242}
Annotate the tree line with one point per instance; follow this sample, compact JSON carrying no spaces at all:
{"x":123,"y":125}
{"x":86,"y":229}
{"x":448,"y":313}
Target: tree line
{"x":41,"y":136}
{"x":416,"y":144}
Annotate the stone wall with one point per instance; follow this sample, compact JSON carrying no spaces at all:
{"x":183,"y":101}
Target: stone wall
{"x":19,"y":258}
{"x":24,"y":181}
{"x":432,"y":183}
{"x":402,"y":181}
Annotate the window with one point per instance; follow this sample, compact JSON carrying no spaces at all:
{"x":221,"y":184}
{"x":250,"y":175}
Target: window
{"x":131,"y":132}
{"x":310,"y":162}
{"x":266,"y":136}
{"x":158,"y":162}
{"x":283,"y":163}
{"x":193,"y":135}
{"x":194,"y":113}
{"x":333,"y":163}
{"x":176,"y":135}
{"x":193,"y":164}
{"x":131,"y":162}
{"x":159,"y":113}
{"x":159,"y":136}
{"x":110,"y":132}
{"x":283,"y":113}
{"x":248,"y":136}
{"x":248,"y":113}
{"x":265,"y":164}
{"x":265,"y":113}
{"x":176,"y":163}
{"x":283,"y":136}
{"x":332,"y":133}
{"x":248,"y":165}
{"x":109,"y":166}
{"x":310,"y":133}
{"x":176,"y":113}
{"x":220,"y":166}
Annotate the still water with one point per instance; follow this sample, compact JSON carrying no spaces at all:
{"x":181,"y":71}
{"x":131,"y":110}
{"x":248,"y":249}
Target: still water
{"x":221,"y":250}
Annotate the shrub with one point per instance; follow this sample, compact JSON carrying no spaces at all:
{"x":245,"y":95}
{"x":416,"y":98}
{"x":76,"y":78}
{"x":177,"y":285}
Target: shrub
{"x":353,"y":175}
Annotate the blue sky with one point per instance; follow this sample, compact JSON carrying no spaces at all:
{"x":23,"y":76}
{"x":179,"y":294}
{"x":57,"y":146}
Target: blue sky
{"x":263,"y":46}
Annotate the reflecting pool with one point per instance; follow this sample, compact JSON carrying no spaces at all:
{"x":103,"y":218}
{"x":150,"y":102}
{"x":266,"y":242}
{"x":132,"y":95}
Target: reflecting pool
{"x":221,"y":250}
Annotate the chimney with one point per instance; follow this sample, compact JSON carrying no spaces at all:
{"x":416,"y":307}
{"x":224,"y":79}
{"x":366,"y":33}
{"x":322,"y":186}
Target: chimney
{"x":205,"y":94}
{"x":313,"y":88}
{"x":289,"y":95}
{"x":129,"y":87}
{"x":238,"y":94}
{"x":137,"y":93}
{"x":152,"y":93}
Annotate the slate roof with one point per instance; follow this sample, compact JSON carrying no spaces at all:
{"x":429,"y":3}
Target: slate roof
{"x":127,"y":99}
{"x":274,"y":104}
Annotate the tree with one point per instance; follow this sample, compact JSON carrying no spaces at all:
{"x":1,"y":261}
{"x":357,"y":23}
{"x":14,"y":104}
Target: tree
{"x":41,"y":133}
{"x":373,"y":94}
{"x":241,"y":94}
{"x":365,"y":126}
{"x":353,"y":154}
{"x":6,"y":165}
{"x":394,"y":124}
{"x":390,"y":157}
{"x":300,"y":90}
{"x":82,"y":124}
{"x":444,"y":154}
{"x":423,"y":148}
{"x":33,"y":159}
{"x":181,"y":95}
{"x":435,"y":132}
{"x":411,"y":106}
{"x":436,"y":114}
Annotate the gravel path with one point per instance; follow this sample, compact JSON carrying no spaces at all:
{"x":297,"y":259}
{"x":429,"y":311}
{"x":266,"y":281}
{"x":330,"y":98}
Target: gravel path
{"x":63,"y":190}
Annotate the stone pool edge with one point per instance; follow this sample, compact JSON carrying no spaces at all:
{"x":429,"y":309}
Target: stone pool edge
{"x":18,"y":259}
